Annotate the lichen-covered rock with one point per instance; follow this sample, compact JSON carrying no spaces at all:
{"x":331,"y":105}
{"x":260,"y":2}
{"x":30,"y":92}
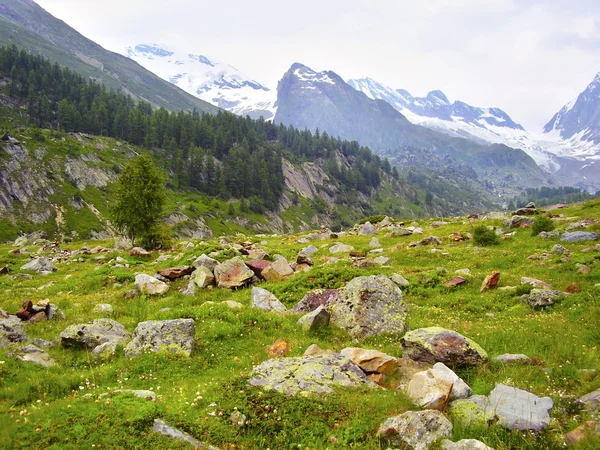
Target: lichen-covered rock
{"x":11,"y":331}
{"x":517,"y":409}
{"x":33,"y":354}
{"x":233,"y":273}
{"x":205,"y":261}
{"x":470,"y":411}
{"x":541,"y":298}
{"x":90,"y":335}
{"x":319,"y":318}
{"x":437,"y":344}
{"x":203,"y":277}
{"x":369,"y":306}
{"x":371,"y":361}
{"x":171,"y":336}
{"x":415,"y":430}
{"x":263,"y":299}
{"x":278,"y":271}
{"x":105,"y":351}
{"x":41,"y":265}
{"x":579,"y":236}
{"x":400,"y":280}
{"x":150,"y":285}
{"x":310,"y":375}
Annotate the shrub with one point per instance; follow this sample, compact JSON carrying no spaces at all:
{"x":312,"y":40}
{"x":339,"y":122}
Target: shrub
{"x":484,"y":236}
{"x":541,"y":223}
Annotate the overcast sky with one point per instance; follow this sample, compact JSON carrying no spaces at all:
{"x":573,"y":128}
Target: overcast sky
{"x":528,"y":57}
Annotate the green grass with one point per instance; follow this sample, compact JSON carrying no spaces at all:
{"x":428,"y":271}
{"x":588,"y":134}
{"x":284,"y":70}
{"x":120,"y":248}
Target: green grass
{"x":48,"y":408}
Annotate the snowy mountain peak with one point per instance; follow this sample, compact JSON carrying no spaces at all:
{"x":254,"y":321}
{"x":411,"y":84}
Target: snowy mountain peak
{"x":207,"y":78}
{"x":309,"y":76}
{"x":438,"y":97}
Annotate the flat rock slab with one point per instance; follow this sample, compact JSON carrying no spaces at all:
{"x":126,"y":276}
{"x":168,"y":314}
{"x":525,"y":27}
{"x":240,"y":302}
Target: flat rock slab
{"x":173,"y":273}
{"x":437,"y":344}
{"x":154,"y":336}
{"x":33,"y":354}
{"x":92,"y":334}
{"x":162,"y":428}
{"x":415,"y":430}
{"x":541,"y":298}
{"x":579,"y":236}
{"x":309,"y":375}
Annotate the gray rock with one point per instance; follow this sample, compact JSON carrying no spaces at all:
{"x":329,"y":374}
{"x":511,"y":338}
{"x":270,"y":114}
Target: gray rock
{"x":40,"y":265}
{"x":319,"y":318}
{"x":162,"y":428}
{"x":160,"y":277}
{"x":369,"y":306}
{"x":460,"y":389}
{"x":367,"y":229}
{"x":105,"y":351}
{"x":11,"y":331}
{"x":517,"y":409}
{"x":92,"y":334}
{"x":509,"y":358}
{"x":205,"y":261}
{"x":170,"y":336}
{"x":304,"y":258}
{"x":517,"y":221}
{"x":233,"y":274}
{"x":436,"y":344}
{"x":150,"y":285}
{"x":578,"y":236}
{"x":464,"y":444}
{"x":400,"y":280}
{"x":310,"y":375}
{"x":341,"y":248}
{"x":310,"y":249}
{"x":591,"y":401}
{"x":559,"y":250}
{"x":399,"y":232}
{"x":203,"y":277}
{"x":280,"y":270}
{"x":415,"y":430}
{"x":382,"y":260}
{"x":549,"y":234}
{"x":139,"y":393}
{"x":541,"y":298}
{"x":33,"y":354}
{"x":103,"y":308}
{"x":374,"y":243}
{"x":470,"y":411}
{"x":21,"y":241}
{"x":263,"y":299}
{"x":190,"y":289}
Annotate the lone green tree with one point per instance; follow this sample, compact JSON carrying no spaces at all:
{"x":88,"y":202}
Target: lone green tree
{"x":138,"y":201}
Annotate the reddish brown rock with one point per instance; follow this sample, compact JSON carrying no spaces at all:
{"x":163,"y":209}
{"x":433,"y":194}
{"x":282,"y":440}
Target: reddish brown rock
{"x":581,"y":433}
{"x":173,"y":273}
{"x":257,"y":266}
{"x":573,"y":288}
{"x":490,"y":282}
{"x":377,"y":378}
{"x":312,"y":300}
{"x":456,"y":281}
{"x":26,"y":310}
{"x":280,"y":347}
{"x":4,"y":270}
{"x":357,"y":254}
{"x":456,"y":237}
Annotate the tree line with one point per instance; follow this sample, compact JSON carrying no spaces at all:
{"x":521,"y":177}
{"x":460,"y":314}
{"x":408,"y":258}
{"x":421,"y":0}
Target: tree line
{"x":220,"y":155}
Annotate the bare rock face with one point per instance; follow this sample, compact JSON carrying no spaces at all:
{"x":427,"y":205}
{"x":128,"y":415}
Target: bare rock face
{"x":437,"y":344}
{"x":369,"y":306}
{"x":233,"y":273}
{"x":415,"y":430}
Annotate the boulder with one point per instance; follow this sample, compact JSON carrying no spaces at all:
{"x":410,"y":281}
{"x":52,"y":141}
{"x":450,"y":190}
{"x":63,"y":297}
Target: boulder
{"x":233,"y":274}
{"x":257,"y":266}
{"x":90,"y":335}
{"x":536,"y":283}
{"x":173,"y":273}
{"x":309,"y":375}
{"x":340,"y":248}
{"x":371,"y":361}
{"x":369,"y":306}
{"x":549,"y":234}
{"x":20,"y":242}
{"x":541,"y":298}
{"x":310,"y":250}
{"x":205,"y":261}
{"x":257,"y":253}
{"x":429,"y":391}
{"x":431,"y":240}
{"x":470,"y":411}
{"x":150,"y":285}
{"x":170,"y":336}
{"x":139,"y":252}
{"x":103,"y":308}
{"x":41,"y":265}
{"x":304,"y":258}
{"x":105,"y":351}
{"x":399,"y":232}
{"x":319,"y":318}
{"x":415,"y":430}
{"x":464,"y":444}
{"x":203,"y":277}
{"x":190,"y":289}
{"x":582,"y":433}
{"x":591,"y":401}
{"x":382,"y":260}
{"x":490,"y":282}
{"x":560,"y":250}
{"x":11,"y":331}
{"x":367,"y":229}
{"x":517,"y":409}
{"x":33,"y":354}
{"x":312,"y":300}
{"x":263,"y":299}
{"x":400,"y":280}
{"x":278,"y":271}
{"x":579,"y":236}
{"x":460,"y":389}
{"x":519,"y":222}
{"x":437,"y":344}
{"x":162,"y":428}
{"x":374,"y":243}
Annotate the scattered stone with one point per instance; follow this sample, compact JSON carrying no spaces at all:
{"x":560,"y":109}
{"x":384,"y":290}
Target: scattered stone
{"x":369,"y":306}
{"x":470,"y":411}
{"x":238,"y":419}
{"x":367,"y":229}
{"x":464,"y":444}
{"x":33,"y":354}
{"x":279,"y":348}
{"x":171,"y":336}
{"x":161,"y":258}
{"x":527,"y":211}
{"x":103,"y":308}
{"x":591,"y":401}
{"x":147,"y":284}
{"x":310,"y":250}
{"x":90,"y":335}
{"x":358,"y":254}
{"x":519,"y":222}
{"x":400,"y":280}
{"x":233,"y":274}
{"x":517,"y":409}
{"x":263,"y":299}
{"x":319,"y":318}
{"x":203,"y":277}
{"x":362,"y":263}
{"x":541,"y":298}
{"x":162,"y":428}
{"x":559,"y":250}
{"x":371,"y":361}
{"x":41,"y":265}
{"x":428,"y":391}
{"x":573,"y":288}
{"x":205,"y":261}
{"x":455,"y":281}
{"x":312,"y":300}
{"x":280,"y":270}
{"x":105,"y":351}
{"x":159,"y":277}
{"x":21,"y":241}
{"x":460,"y":389}
{"x":309,"y":375}
{"x":582,"y":269}
{"x":581,"y":433}
{"x":549,"y":234}
{"x":257,"y":266}
{"x":535,"y":283}
{"x":233,"y":305}
{"x":463,"y":273}
{"x":510,"y":358}
{"x":258,"y":253}
{"x":415,"y":430}
{"x":132,"y":293}
{"x":341,"y":248}
{"x":437,"y":344}
{"x":490,"y":282}
{"x":382,"y":260}
{"x":315,"y":350}
{"x":139,"y":252}
{"x":374,"y":243}
{"x":578,"y":236}
{"x":431,"y":240}
{"x":4,"y":270}
{"x":174,"y":273}
{"x":399,"y":232}
{"x":304,"y":258}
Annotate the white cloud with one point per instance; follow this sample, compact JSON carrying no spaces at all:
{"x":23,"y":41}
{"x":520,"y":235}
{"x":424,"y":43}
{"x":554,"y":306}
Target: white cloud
{"x":528,"y":57}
